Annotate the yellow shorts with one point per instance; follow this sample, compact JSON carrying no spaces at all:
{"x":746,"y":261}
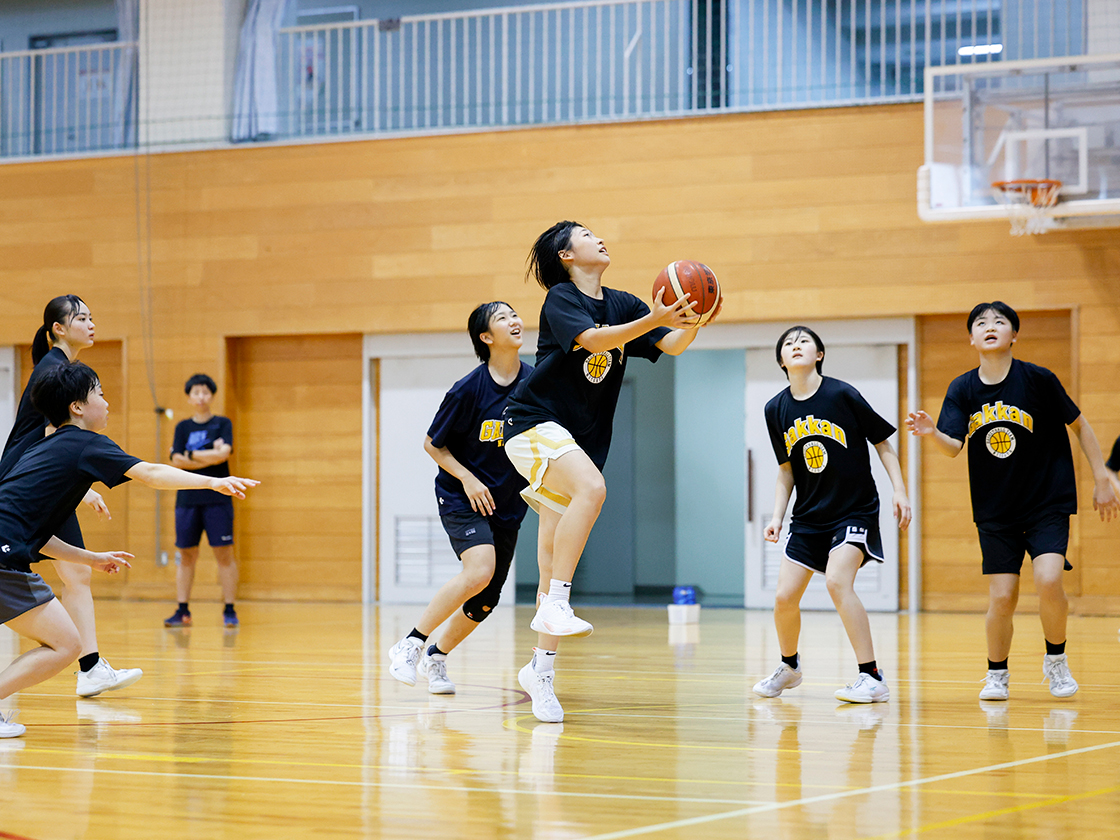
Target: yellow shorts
{"x":530,"y":453}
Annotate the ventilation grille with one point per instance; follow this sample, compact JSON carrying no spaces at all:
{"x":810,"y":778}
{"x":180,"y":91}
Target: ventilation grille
{"x":423,"y":554}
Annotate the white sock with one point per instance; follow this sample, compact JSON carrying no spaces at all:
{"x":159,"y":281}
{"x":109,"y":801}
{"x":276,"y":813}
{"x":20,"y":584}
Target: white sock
{"x":544,"y":661}
{"x":559,"y":590}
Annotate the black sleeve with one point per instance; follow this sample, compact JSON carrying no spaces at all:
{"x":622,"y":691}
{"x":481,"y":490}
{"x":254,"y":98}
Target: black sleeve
{"x":102,"y":460}
{"x":448,"y":419}
{"x":566,"y":317}
{"x":953,"y":420}
{"x":225,"y":430}
{"x":1055,"y":395}
{"x":179,"y":442}
{"x":775,"y":430}
{"x":875,"y":428}
{"x":1113,"y":462}
{"x":644,"y":346}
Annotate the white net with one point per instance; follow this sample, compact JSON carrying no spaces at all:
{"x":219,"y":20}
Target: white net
{"x":1028,"y":203}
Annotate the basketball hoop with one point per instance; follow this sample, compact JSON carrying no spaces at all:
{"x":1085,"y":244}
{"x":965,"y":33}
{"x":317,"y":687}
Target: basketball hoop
{"x":1027,"y":201}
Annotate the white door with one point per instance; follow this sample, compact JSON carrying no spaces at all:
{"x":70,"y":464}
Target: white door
{"x":873,"y":370}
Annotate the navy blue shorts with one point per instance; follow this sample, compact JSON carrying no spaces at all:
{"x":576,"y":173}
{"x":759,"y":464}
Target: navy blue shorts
{"x":812,"y":550}
{"x":21,"y":592}
{"x":466,"y":529}
{"x":216,"y":520}
{"x":1003,"y":548}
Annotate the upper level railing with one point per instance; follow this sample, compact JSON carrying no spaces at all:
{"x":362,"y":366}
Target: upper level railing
{"x":553,"y":63}
{"x":67,"y":100}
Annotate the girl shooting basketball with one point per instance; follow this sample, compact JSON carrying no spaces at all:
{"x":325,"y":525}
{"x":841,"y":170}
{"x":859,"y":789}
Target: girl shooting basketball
{"x":67,"y":330}
{"x":559,"y":421}
{"x":478,"y":493}
{"x":820,"y":428}
{"x":1012,"y":415}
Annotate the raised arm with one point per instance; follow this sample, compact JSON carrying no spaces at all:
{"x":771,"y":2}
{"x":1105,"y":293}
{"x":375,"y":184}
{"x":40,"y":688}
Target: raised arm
{"x":901,"y":501}
{"x":675,"y":316}
{"x":921,"y":424}
{"x":164,"y":477}
{"x":479,"y":494}
{"x":782,"y":493}
{"x":109,"y":562}
{"x":1105,"y":501}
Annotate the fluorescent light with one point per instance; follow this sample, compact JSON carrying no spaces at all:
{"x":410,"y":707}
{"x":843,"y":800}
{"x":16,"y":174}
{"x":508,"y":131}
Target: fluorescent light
{"x":981,"y":49}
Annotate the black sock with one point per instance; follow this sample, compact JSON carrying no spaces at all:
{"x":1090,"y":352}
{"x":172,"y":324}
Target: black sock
{"x":433,"y":650}
{"x":997,"y":666}
{"x":869,"y":668}
{"x":416,"y":634}
{"x":792,"y":661}
{"x":184,"y":608}
{"x":229,"y":609}
{"x":87,"y":662}
{"x":1055,"y":649}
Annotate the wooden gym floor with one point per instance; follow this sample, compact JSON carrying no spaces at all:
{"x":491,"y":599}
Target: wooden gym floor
{"x":292,"y":728}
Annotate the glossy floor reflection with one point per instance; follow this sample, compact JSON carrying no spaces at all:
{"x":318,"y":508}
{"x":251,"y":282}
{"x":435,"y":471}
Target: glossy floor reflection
{"x":291,"y":727}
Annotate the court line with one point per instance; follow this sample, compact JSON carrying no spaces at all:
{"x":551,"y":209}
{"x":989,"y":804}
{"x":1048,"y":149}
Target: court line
{"x":831,"y":797}
{"x":1053,"y":800}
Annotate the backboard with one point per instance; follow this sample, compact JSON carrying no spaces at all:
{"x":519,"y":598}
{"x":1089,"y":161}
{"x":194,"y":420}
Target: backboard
{"x":1055,"y":118}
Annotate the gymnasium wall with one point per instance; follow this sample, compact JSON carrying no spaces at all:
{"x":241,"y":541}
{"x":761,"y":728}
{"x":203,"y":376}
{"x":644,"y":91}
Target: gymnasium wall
{"x":803,"y":215}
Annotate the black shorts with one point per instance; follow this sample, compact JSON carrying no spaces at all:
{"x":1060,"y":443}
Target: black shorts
{"x":466,"y":529}
{"x":812,"y":550}
{"x":20,"y":592}
{"x":216,"y":520}
{"x":1003,"y":548}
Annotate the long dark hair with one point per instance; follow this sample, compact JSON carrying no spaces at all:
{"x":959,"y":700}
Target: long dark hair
{"x":478,"y":323}
{"x":61,"y":310}
{"x":545,"y":265}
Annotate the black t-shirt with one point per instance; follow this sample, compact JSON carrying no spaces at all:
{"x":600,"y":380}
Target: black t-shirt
{"x":469,"y":423}
{"x":1019,"y":460}
{"x":1113,"y":462}
{"x":191,"y":437}
{"x":30,"y":424}
{"x":825,"y":440}
{"x":570,"y":385}
{"x":47,"y":484}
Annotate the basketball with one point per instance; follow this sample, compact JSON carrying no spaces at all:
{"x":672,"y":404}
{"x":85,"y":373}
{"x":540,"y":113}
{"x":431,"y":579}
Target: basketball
{"x":694,"y":279}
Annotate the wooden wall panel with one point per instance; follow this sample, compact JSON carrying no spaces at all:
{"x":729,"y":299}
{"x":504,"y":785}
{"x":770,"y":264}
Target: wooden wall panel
{"x":296,"y":408}
{"x":803,"y":214}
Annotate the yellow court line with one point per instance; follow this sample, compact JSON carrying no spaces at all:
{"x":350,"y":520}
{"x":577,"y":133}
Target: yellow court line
{"x":514,"y":724}
{"x":1053,"y":800}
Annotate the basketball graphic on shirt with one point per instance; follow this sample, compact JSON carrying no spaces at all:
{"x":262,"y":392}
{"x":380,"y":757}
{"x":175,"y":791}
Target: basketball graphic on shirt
{"x":597,"y":366}
{"x":816,"y":456}
{"x":1000,"y":441}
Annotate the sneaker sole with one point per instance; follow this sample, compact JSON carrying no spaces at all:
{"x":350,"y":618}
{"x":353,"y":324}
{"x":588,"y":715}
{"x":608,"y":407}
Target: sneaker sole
{"x":543,"y":627}
{"x":441,"y":690}
{"x":864,"y":700}
{"x":1065,"y":694}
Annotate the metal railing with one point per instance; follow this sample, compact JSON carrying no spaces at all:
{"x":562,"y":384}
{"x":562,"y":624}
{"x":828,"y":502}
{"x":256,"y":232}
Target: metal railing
{"x":627,"y":59}
{"x":67,"y":100}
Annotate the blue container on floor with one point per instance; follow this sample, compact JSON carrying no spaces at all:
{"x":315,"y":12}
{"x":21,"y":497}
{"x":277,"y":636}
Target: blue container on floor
{"x":684,"y":594}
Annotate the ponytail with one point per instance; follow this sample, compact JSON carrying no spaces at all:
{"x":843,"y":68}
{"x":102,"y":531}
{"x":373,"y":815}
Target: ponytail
{"x":61,"y":310}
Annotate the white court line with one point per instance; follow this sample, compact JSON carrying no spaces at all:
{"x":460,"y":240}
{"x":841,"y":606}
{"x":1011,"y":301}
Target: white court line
{"x":830,"y":797}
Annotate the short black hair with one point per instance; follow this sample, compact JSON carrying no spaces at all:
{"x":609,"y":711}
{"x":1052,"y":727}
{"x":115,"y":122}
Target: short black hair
{"x":996,"y":306}
{"x":478,"y":323}
{"x":816,"y":340}
{"x":200,"y":379}
{"x":545,"y":265}
{"x":59,"y":386}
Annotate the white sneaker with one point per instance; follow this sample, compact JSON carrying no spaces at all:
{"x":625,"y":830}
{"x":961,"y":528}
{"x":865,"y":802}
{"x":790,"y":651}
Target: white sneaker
{"x":436,"y":672}
{"x":9,"y":729}
{"x":546,"y":707}
{"x":995,"y":685}
{"x":783,"y":677}
{"x":557,"y":619}
{"x":403,"y":657}
{"x":102,"y":677}
{"x":866,"y":689}
{"x":1056,"y":669}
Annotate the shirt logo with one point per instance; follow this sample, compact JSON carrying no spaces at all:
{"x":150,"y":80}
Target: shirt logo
{"x":597,"y":366}
{"x":1000,"y":413}
{"x":810,"y":426}
{"x":816,"y":456}
{"x":1000,"y":441}
{"x":470,"y":531}
{"x":5,"y":548}
{"x":492,"y":431}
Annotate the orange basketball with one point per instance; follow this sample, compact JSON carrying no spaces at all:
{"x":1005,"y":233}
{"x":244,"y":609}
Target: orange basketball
{"x":694,"y":279}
